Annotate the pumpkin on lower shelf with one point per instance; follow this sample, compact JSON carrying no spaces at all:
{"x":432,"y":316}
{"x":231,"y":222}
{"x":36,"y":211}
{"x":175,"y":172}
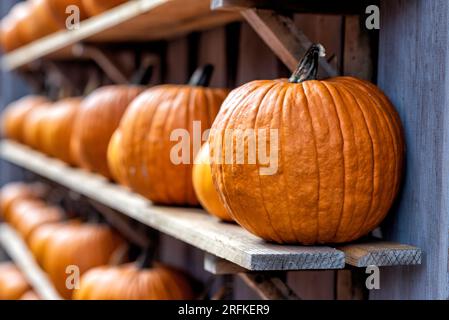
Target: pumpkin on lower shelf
{"x":158,"y":133}
{"x":338,"y":153}
{"x":33,"y":126}
{"x":14,"y":115}
{"x":18,"y":191}
{"x":98,"y":117}
{"x":132,"y":282}
{"x":38,"y":239}
{"x":204,"y":186}
{"x":13,"y":284}
{"x":82,"y":245}
{"x":57,"y":129}
{"x":96,"y":7}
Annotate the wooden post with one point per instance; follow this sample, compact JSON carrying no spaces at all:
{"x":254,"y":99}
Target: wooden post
{"x":413,"y":69}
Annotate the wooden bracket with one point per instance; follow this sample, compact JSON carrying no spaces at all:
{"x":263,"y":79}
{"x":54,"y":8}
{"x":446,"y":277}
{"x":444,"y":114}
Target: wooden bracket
{"x":286,"y":40}
{"x":269,"y":286}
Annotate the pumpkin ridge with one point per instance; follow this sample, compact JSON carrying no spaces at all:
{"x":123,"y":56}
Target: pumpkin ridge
{"x":223,"y":123}
{"x":343,"y":145}
{"x":372,"y":158}
{"x":260,"y":185}
{"x":281,"y":98}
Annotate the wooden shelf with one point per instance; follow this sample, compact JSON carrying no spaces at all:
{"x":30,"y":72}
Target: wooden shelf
{"x":139,"y":20}
{"x":18,"y":251}
{"x":195,"y":227}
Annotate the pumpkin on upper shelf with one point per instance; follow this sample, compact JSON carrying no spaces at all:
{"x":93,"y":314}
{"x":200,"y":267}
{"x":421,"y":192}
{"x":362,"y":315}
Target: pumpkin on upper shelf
{"x":40,"y":21}
{"x":338,"y":153}
{"x":204,"y":186}
{"x":58,"y":9}
{"x":12,"y":36}
{"x":98,"y":117}
{"x":157,"y":138}
{"x":96,"y":7}
{"x":33,"y":126}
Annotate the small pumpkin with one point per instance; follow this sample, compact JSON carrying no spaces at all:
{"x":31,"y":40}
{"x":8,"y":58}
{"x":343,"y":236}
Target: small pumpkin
{"x":97,"y":119}
{"x":151,"y":163}
{"x":14,"y":115}
{"x":38,"y":239}
{"x":12,"y":36}
{"x":33,"y":126}
{"x":17,"y":191}
{"x":204,"y":186}
{"x":85,"y":246}
{"x":339,"y":152}
{"x":57,"y":128}
{"x":58,"y":9}
{"x":132,"y":282}
{"x":96,"y":7}
{"x":115,"y":160}
{"x":41,"y":22}
{"x":13,"y":284}
{"x":28,"y":215}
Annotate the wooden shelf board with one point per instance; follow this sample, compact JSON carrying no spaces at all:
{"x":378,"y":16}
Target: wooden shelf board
{"x":139,"y":20}
{"x":195,"y":227}
{"x":17,"y":250}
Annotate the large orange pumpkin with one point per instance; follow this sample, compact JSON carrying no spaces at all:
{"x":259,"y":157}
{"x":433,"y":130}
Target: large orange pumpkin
{"x":130,"y":282}
{"x":204,"y":186}
{"x":98,"y":117}
{"x":338,"y":155}
{"x":12,"y":36}
{"x":158,"y":133}
{"x":14,"y":115}
{"x":57,"y":128}
{"x":58,"y":9}
{"x":96,"y":7}
{"x":85,"y":246}
{"x":13,"y":284}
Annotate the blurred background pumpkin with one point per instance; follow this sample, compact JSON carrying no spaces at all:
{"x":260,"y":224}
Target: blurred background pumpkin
{"x":13,"y":284}
{"x":96,"y":7}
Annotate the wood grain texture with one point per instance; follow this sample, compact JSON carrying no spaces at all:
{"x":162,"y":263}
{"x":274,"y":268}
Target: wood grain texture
{"x":140,"y":20}
{"x":218,"y":266}
{"x":192,"y":226}
{"x":19,"y":253}
{"x":381,"y":254}
{"x":413,"y":69}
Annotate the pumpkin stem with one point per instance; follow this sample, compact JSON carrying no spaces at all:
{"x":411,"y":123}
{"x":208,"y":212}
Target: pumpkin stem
{"x":202,"y":76}
{"x":308,"y":66}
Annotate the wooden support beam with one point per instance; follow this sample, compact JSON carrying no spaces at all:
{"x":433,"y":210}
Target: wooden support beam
{"x":302,"y":6}
{"x":287,"y":41}
{"x":268,"y":287}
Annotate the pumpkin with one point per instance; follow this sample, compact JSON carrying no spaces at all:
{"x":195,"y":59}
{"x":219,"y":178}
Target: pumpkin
{"x":40,"y":22}
{"x":85,"y":246}
{"x":58,"y":9}
{"x":38,"y":239}
{"x":204,"y":186}
{"x":13,"y":284}
{"x":17,"y":191}
{"x":96,"y":7}
{"x":28,"y":215}
{"x":12,"y":36}
{"x":14,"y":115}
{"x":57,"y":129}
{"x":115,"y":158}
{"x":30,"y":295}
{"x":97,"y":119}
{"x":33,"y":126}
{"x":338,"y":156}
{"x":131,"y":282}
{"x":155,"y":165}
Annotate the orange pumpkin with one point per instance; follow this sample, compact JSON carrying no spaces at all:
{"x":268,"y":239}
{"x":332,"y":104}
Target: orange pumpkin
{"x":204,"y":186}
{"x":14,"y":115}
{"x":58,"y":9}
{"x":337,"y":164}
{"x":97,"y":119}
{"x":115,"y":158}
{"x":38,"y":239}
{"x":33,"y":126}
{"x":30,"y":295}
{"x":57,"y":128}
{"x":12,"y":36}
{"x":17,"y":191}
{"x":157,"y":166}
{"x":85,"y":246}
{"x":130,"y":282}
{"x":13,"y":284}
{"x":28,"y":215}
{"x":40,"y":23}
{"x":96,"y":7}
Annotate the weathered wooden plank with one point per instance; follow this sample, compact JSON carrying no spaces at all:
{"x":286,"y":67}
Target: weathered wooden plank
{"x":381,"y":254}
{"x":413,"y":69}
{"x":19,"y":253}
{"x":139,"y":20}
{"x":283,"y":37}
{"x":193,"y":226}
{"x":218,"y":266}
{"x":303,"y":6}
